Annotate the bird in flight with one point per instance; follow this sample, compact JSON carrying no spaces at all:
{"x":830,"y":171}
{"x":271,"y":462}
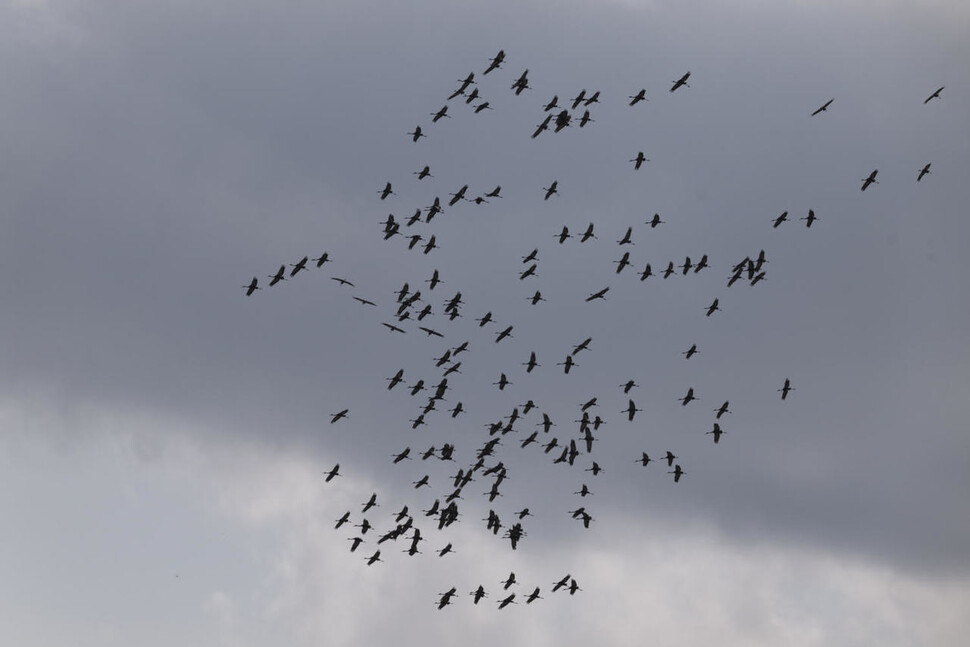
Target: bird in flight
{"x":252,"y":287}
{"x":638,"y":161}
{"x":784,"y":390}
{"x":681,"y":81}
{"x":598,"y":295}
{"x":780,"y":219}
{"x":810,"y":218}
{"x":339,"y":415}
{"x":935,"y":95}
{"x":496,"y":62}
{"x":823,"y":107}
{"x":417,"y":134}
{"x":638,"y":97}
{"x":923,"y":171}
{"x":551,"y":189}
{"x":870,"y":180}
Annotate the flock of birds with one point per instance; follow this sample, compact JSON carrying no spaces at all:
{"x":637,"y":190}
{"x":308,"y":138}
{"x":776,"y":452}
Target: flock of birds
{"x":414,"y":311}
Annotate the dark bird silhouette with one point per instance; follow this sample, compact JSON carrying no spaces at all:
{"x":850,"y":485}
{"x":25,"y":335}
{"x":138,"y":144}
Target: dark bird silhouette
{"x":701,"y":264}
{"x":563,"y":235}
{"x":824,"y":107}
{"x":681,"y":81}
{"x":386,"y":191}
{"x":533,"y":596}
{"x":579,"y":98}
{"x":588,"y":234}
{"x":638,"y":161}
{"x":423,"y":173}
{"x":595,"y":469}
{"x":543,"y":126}
{"x":478,"y":594}
{"x":342,"y":520}
{"x":711,"y":309}
{"x":623,"y":262}
{"x":276,"y":278}
{"x":585,"y":119}
{"x":445,"y":598}
{"x":644,"y":459}
{"x":507,"y":601}
{"x":494,"y":193}
{"x":459,"y":195}
{"x":925,"y":170}
{"x":786,"y":389}
{"x":429,"y":245}
{"x":686,"y":266}
{"x":678,"y":472}
{"x":392,"y":328}
{"x":717,"y":431}
{"x":371,"y":503}
{"x":496,"y":62}
{"x":434,"y":280}
{"x":530,"y":271}
{"x":337,"y":416}
{"x":687,"y":398}
{"x":252,"y":287}
{"x":342,"y":281}
{"x":690,"y":352}
{"x":780,"y":219}
{"x":810,"y":218}
{"x":365,"y":301}
{"x":403,"y":455}
{"x":323,"y":258}
{"x":670,"y":270}
{"x":332,"y":473}
{"x":502,"y":382}
{"x":722,"y":410}
{"x":935,"y":95}
{"x":593,"y":99}
{"x":502,"y":335}
{"x":626,"y":240}
{"x":561,"y":584}
{"x":629,"y":385}
{"x":870,"y":180}
{"x":638,"y":97}
{"x":581,"y":346}
{"x":567,"y":364}
{"x":646,"y":273}
{"x":482,"y":106}
{"x":535,"y":298}
{"x":551,"y":189}
{"x":653,"y":222}
{"x":522,"y":83}
{"x":598,"y":295}
{"x":631,"y":410}
{"x":669,"y":457}
{"x":443,"y":112}
{"x":416,"y":134}
{"x":431,"y":332}
{"x":355,"y":542}
{"x":533,"y":255}
{"x":376,"y":557}
{"x":301,"y":265}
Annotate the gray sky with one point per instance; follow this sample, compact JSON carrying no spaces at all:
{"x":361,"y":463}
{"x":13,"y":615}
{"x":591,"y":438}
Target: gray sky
{"x":163,"y":437}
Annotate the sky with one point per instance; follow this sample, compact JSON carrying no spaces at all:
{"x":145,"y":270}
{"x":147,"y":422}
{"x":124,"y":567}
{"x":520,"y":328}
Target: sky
{"x":164,"y":438}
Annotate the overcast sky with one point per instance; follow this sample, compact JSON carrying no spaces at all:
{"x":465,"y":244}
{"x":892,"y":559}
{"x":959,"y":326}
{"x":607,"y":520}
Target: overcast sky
{"x":164,"y":437}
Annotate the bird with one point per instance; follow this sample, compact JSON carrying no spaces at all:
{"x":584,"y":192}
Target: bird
{"x":626,"y":240}
{"x":276,"y":278}
{"x":638,"y":161}
{"x":690,"y":352}
{"x":585,"y":119}
{"x":423,"y":173}
{"x":533,"y":255}
{"x":623,"y":262}
{"x":502,"y":335}
{"x":583,"y":345}
{"x":371,"y":502}
{"x":532,"y":363}
{"x":717,"y":431}
{"x":431,"y":332}
{"x":563,"y":235}
{"x":365,"y":301}
{"x":443,"y":112}
{"x":823,"y":107}
{"x":588,"y":234}
{"x":416,"y":134}
{"x":332,"y":473}
{"x":810,"y":218}
{"x":323,"y":258}
{"x":653,"y":222}
{"x":386,"y":191}
{"x":923,"y":171}
{"x":711,"y":309}
{"x":301,"y":265}
{"x":561,"y":584}
{"x":638,"y":97}
{"x":533,"y":596}
{"x":631,"y":410}
{"x":681,"y":81}
{"x":644,"y":459}
{"x":551,"y":189}
{"x":870,"y":180}
{"x":337,"y":416}
{"x":722,"y":410}
{"x":479,"y":593}
{"x":629,"y":385}
{"x":376,"y":557}
{"x":678,"y":472}
{"x":252,"y":287}
{"x":393,"y":328}
{"x":482,"y":106}
{"x":687,"y":398}
{"x":446,"y":598}
{"x":598,"y":295}
{"x":935,"y":95}
{"x":530,"y":271}
{"x":646,"y":273}
{"x":401,"y":456}
{"x":507,"y":601}
{"x":342,"y":281}
{"x":780,"y":219}
{"x":579,"y":98}
{"x":784,"y":390}
{"x":496,"y":62}
{"x":494,"y":193}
